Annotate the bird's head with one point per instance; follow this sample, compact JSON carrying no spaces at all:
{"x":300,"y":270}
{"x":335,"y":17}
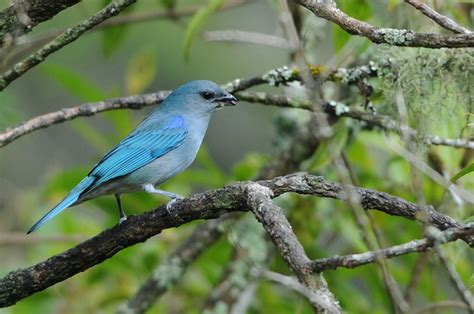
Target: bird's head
{"x":200,"y":96}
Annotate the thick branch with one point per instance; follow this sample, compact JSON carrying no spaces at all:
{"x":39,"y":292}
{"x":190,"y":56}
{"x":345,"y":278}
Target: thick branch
{"x":327,"y":10}
{"x":21,"y":16}
{"x":212,"y":204}
{"x":70,"y":35}
{"x":280,"y":231}
{"x":356,"y":260}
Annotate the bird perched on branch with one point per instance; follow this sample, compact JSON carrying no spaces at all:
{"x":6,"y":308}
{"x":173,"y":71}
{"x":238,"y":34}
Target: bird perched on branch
{"x":162,"y":145}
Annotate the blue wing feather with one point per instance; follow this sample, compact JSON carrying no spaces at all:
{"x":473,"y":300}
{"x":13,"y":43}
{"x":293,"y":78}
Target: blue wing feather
{"x":136,"y":151}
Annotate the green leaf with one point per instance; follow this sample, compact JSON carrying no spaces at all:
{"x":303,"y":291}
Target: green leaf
{"x":141,"y":71}
{"x":8,"y":110}
{"x":468,"y":169}
{"x":114,"y":36}
{"x":73,"y":82}
{"x":393,"y":3}
{"x":168,"y":4}
{"x":100,"y":141}
{"x":359,"y":9}
{"x":340,"y":37}
{"x":122,"y":121}
{"x":322,"y":157}
{"x":197,"y":22}
{"x":248,"y":167}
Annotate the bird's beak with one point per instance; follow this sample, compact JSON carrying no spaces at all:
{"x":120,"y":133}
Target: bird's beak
{"x":227,"y":100}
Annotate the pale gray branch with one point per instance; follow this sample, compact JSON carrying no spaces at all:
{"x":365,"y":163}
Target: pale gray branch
{"x":458,"y":283}
{"x":70,"y":35}
{"x":259,"y":199}
{"x":438,"y":18}
{"x":328,"y":10}
{"x":356,"y":260}
{"x":247,"y":37}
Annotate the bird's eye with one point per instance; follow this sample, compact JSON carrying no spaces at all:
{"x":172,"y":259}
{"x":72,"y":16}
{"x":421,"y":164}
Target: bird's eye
{"x":207,"y":95}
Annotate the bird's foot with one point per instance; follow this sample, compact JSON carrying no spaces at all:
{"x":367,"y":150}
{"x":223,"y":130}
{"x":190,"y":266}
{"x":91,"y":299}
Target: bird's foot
{"x":169,"y":206}
{"x":122,"y":219}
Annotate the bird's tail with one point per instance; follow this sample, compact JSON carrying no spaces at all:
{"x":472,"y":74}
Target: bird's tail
{"x":69,"y":200}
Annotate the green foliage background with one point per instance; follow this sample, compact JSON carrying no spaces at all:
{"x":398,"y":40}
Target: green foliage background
{"x":38,"y":170}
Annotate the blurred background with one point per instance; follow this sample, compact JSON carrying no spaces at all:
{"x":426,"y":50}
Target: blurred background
{"x":37,"y":170}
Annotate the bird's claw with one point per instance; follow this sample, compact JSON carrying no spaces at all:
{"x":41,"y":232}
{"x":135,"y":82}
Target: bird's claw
{"x":169,"y":206}
{"x":122,"y":219}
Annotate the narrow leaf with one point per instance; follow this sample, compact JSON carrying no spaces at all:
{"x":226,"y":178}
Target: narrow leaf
{"x":141,"y":71}
{"x":468,"y":169}
{"x":74,"y":82}
{"x":197,"y":22}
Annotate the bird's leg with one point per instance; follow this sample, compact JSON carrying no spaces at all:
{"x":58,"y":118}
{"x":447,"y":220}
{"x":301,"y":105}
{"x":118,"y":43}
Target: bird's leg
{"x":122,"y":214}
{"x":149,"y":188}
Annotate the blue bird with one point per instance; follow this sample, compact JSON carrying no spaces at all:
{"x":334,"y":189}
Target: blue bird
{"x":162,"y":145}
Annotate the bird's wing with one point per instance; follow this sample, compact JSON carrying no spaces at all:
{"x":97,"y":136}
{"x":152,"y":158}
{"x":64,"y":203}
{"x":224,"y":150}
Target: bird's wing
{"x":136,"y":151}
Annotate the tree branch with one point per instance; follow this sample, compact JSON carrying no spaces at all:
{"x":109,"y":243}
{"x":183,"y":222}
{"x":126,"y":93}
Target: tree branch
{"x":259,"y":199}
{"x":88,"y":109}
{"x":456,"y":280}
{"x":172,"y":269}
{"x":342,"y":110}
{"x":438,"y":18}
{"x":25,"y":48}
{"x":21,"y":16}
{"x":70,"y":35}
{"x":421,"y":245}
{"x":327,"y":10}
{"x":297,"y":143}
{"x":234,"y":35}
{"x":275,"y":77}
{"x":24,"y":282}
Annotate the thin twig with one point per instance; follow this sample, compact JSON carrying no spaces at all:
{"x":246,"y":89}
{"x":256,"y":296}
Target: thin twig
{"x":458,"y":283}
{"x":273,"y":77}
{"x":416,"y":273}
{"x":21,"y":16}
{"x":439,"y":306}
{"x":287,"y":281}
{"x":27,"y":45}
{"x":247,"y":37}
{"x":174,"y":13}
{"x":139,"y":101}
{"x":70,"y":35}
{"x":356,"y":260}
{"x":430,"y":172}
{"x":342,"y":110}
{"x":438,"y":18}
{"x":328,"y":10}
